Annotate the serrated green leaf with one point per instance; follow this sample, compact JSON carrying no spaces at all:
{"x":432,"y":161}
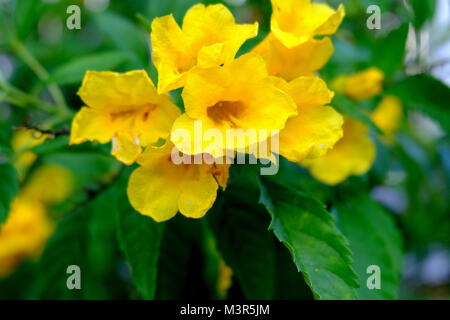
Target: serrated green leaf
{"x":374,"y":240}
{"x":426,"y":94}
{"x":73,"y":71}
{"x":66,"y":247}
{"x":140,"y":239}
{"x":9,"y":186}
{"x":246,"y":246}
{"x":319,"y":250}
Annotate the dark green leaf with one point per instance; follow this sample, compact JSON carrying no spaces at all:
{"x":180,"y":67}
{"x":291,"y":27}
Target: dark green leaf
{"x":319,"y":250}
{"x":9,"y":186}
{"x":374,"y":240}
{"x":66,"y":247}
{"x":426,"y":94}
{"x":246,"y":246}
{"x":140,"y":239}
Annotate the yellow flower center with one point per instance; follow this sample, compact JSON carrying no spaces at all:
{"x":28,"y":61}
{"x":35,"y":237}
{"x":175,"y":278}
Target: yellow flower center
{"x":226,"y":111}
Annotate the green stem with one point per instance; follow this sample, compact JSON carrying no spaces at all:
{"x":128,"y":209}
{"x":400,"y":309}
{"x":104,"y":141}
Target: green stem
{"x":40,"y":71}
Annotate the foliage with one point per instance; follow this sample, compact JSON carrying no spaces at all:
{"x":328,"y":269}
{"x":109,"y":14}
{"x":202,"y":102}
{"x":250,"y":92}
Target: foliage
{"x":286,"y":236}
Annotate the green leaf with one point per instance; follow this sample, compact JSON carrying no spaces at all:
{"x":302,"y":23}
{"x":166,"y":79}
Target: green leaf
{"x":26,"y":16}
{"x":290,"y":284}
{"x":245,"y":245}
{"x":126,"y":36}
{"x":319,"y":250}
{"x":9,"y":186}
{"x":389,"y":52}
{"x":66,"y":247}
{"x":354,"y":110}
{"x":374,"y":240}
{"x":426,"y":94}
{"x":140,"y":239}
{"x":423,"y":11}
{"x":73,"y":71}
{"x":173,"y":264}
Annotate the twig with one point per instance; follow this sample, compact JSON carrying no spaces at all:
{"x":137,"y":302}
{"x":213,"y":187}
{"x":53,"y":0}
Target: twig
{"x":54,"y":133}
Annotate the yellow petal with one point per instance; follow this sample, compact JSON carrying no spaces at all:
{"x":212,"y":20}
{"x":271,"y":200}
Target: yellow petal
{"x":365,"y":84}
{"x":238,"y":96}
{"x":124,"y":108}
{"x":91,"y":125}
{"x":199,"y":193}
{"x":172,"y":53}
{"x":352,"y":155}
{"x":387,"y":116}
{"x":309,"y":91}
{"x":160,"y":187}
{"x":316,"y":128}
{"x":59,"y":178}
{"x":153,"y":191}
{"x":311,"y":133}
{"x":125,"y":148}
{"x":24,"y":234}
{"x":290,"y":63}
{"x":295,"y":22}
{"x":332,"y":18}
{"x":22,"y":140}
{"x":209,"y":37}
{"x":117,"y":92}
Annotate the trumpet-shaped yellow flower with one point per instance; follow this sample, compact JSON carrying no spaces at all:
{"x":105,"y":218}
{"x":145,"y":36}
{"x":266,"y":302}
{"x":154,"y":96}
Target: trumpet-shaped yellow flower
{"x":360,"y":86}
{"x":125,"y":109}
{"x":387,"y":116}
{"x":290,"y":63}
{"x":237,"y":97}
{"x":59,"y":178}
{"x":24,"y":234}
{"x":295,"y":22}
{"x":209,"y":36}
{"x":22,"y":140}
{"x":317,"y":127}
{"x":160,"y":187}
{"x":352,"y":155}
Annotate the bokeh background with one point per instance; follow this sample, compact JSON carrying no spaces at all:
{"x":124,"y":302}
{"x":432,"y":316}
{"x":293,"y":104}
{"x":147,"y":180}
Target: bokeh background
{"x":411,"y":179}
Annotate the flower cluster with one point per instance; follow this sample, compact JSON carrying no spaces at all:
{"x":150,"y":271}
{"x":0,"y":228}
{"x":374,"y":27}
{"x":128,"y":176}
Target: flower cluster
{"x":272,"y":88}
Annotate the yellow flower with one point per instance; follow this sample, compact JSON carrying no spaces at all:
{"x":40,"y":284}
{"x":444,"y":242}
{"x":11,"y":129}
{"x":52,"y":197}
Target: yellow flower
{"x":295,"y":22}
{"x":290,"y":63}
{"x":160,"y":188}
{"x":361,"y":85}
{"x":124,"y":108}
{"x":59,"y":178}
{"x":352,"y":155}
{"x":387,"y":116}
{"x":317,"y":127}
{"x":22,"y":140}
{"x":237,"y":97}
{"x":209,"y":36}
{"x":23,"y":235}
